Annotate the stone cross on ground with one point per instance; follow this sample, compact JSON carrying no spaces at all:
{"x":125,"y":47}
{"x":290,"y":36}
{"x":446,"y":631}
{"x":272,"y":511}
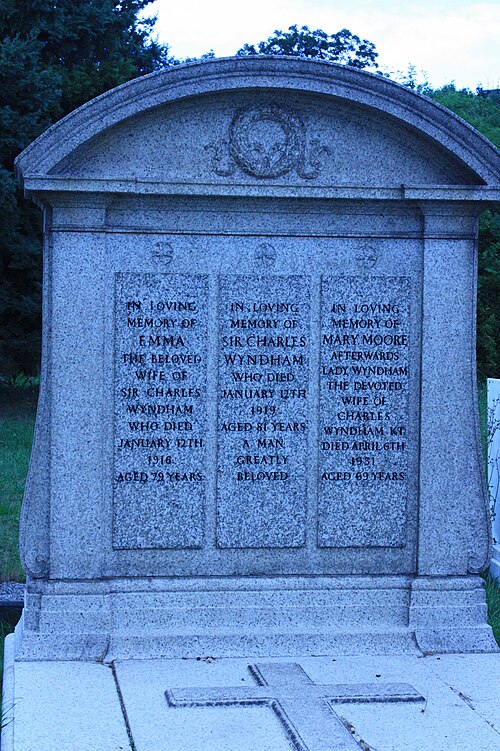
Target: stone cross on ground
{"x":303,"y":707}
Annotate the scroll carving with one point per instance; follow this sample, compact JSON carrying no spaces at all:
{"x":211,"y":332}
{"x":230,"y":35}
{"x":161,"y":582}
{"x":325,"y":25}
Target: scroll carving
{"x":479,"y":528}
{"x":267,"y":141}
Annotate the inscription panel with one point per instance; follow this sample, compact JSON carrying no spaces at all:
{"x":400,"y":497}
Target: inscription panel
{"x":160,"y":411}
{"x":263,"y":405}
{"x":276,"y":412}
{"x":364,"y":412}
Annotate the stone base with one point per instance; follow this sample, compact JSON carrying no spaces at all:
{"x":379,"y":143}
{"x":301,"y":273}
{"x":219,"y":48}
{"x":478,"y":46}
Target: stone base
{"x":450,"y":615}
{"x":281,"y":617}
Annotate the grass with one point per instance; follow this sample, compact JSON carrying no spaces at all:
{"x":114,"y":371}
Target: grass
{"x":17,"y":420}
{"x":493,"y":599}
{"x":482,"y":397}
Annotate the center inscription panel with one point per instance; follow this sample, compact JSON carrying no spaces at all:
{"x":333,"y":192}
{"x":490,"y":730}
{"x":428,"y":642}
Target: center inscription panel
{"x":264,"y":334}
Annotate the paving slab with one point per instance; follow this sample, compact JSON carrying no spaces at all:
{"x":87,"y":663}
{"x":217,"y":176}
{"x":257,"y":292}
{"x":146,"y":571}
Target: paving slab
{"x":472,"y":678}
{"x":62,"y":706}
{"x":387,"y":703}
{"x":196,"y":713}
{"x":143,"y":685}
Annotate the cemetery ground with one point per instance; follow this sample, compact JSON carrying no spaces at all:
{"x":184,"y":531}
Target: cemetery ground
{"x":17,"y":416}
{"x":17,"y":419}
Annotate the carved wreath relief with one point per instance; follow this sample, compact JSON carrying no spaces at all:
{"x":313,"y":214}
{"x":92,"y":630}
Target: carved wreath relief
{"x":267,"y":141}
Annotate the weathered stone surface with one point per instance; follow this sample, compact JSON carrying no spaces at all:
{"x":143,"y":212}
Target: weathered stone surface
{"x":263,"y":409}
{"x":303,"y":708}
{"x":459,"y":694}
{"x":160,"y":411}
{"x":61,"y":705}
{"x":56,"y":704}
{"x":365,"y":477}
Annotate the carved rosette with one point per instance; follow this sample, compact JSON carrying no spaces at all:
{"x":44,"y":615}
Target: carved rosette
{"x":267,"y":141}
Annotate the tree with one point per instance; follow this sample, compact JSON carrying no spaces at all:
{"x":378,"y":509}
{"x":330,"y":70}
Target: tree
{"x":29,"y":100}
{"x":342,"y":47}
{"x":483,"y":113}
{"x":54,"y":56}
{"x":488,"y":297}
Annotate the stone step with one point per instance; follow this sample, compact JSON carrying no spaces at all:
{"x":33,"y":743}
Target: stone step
{"x":215,"y":643}
{"x":129,"y":620}
{"x":265,"y":642}
{"x":248,"y":617}
{"x":256,"y":598}
{"x":275,"y":598}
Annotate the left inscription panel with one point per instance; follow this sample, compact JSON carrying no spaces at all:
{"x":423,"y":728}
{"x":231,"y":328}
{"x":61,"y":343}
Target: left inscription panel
{"x":160,"y":412}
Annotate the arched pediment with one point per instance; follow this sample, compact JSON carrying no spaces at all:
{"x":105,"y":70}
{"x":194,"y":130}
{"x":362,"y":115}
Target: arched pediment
{"x":269,"y":122}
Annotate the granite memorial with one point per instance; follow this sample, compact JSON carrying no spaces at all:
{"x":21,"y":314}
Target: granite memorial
{"x":257,"y":431}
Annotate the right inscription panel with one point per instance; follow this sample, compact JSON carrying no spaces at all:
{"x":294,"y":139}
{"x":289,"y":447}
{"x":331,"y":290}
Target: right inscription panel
{"x":364,"y":412}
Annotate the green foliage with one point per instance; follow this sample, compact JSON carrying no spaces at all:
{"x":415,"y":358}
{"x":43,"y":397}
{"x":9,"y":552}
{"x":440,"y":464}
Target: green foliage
{"x":54,"y":56}
{"x":488,"y":301}
{"x":210,"y":55}
{"x":493,"y":600}
{"x":20,"y":381}
{"x":28,"y":94}
{"x":481,"y":111}
{"x":97,"y":45}
{"x":482,"y":398}
{"x":17,"y":419}
{"x":15,"y":446}
{"x":28,"y":101}
{"x":411,"y":78}
{"x":341,"y":47}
